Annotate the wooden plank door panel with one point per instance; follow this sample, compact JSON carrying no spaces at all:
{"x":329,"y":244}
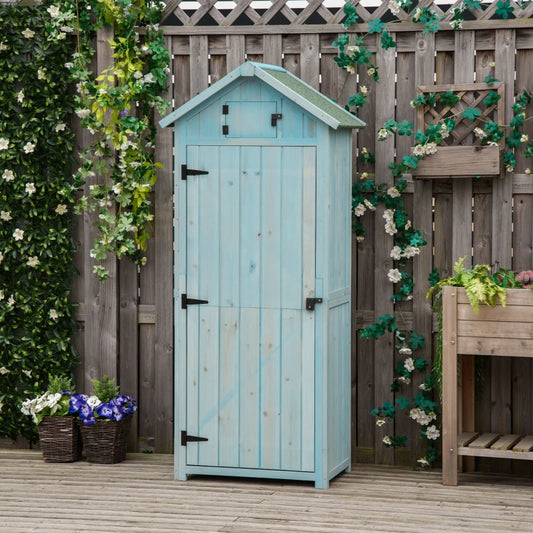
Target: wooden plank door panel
{"x":250,"y":350}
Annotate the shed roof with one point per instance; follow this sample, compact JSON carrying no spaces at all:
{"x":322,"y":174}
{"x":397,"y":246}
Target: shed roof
{"x":284,"y":82}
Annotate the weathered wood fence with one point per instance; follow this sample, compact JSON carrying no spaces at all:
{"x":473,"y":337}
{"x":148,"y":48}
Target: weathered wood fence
{"x":127,"y":323}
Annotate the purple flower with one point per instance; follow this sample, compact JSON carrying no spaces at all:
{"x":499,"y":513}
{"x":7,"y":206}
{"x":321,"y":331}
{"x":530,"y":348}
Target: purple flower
{"x":105,"y":410}
{"x":123,"y":113}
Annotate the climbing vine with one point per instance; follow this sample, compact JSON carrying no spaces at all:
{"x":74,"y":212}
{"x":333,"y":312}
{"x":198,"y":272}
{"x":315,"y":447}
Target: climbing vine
{"x":117,"y":107}
{"x":354,"y":55}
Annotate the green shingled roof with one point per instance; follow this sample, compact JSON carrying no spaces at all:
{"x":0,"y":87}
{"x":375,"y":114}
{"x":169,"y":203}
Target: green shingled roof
{"x":344,"y":118}
{"x":287,"y":84}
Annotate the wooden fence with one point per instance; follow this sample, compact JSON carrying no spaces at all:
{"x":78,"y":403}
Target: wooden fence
{"x":127,"y":323}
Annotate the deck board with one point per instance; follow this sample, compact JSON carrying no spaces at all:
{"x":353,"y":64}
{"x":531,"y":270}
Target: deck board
{"x":140,"y":495}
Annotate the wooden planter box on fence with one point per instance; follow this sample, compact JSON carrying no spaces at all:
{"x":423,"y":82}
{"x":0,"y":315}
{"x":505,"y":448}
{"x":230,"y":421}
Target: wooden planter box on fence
{"x":494,"y":331}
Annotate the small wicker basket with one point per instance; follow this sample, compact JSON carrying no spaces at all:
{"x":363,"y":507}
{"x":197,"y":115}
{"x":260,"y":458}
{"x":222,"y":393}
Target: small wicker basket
{"x":60,"y":439}
{"x":106,"y":441}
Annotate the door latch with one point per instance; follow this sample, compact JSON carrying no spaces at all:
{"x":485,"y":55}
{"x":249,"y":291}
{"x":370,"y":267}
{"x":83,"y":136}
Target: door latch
{"x":274,"y":118}
{"x":311,"y":302}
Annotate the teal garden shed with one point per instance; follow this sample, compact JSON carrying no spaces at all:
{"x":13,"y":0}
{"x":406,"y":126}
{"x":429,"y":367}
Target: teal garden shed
{"x":262,"y":279}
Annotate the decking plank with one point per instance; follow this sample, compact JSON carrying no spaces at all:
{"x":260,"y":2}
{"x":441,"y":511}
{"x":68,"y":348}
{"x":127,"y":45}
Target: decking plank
{"x":45,"y":498}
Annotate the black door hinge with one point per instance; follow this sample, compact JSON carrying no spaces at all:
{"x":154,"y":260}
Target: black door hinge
{"x":190,"y":301}
{"x":225,"y":130}
{"x":190,"y":438}
{"x":311,"y":302}
{"x":225,"y":109}
{"x":274,"y":118}
{"x":191,"y":172}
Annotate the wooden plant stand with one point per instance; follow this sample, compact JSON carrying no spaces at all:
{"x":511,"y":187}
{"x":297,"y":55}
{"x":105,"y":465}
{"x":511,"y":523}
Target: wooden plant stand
{"x":495,"y":331}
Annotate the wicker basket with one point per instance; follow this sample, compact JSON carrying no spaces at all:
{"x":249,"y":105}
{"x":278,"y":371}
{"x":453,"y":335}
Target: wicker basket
{"x":60,"y":439}
{"x":106,"y":441}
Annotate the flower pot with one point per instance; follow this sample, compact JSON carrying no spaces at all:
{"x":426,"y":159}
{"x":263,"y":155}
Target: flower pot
{"x":60,"y":439}
{"x":106,"y":440}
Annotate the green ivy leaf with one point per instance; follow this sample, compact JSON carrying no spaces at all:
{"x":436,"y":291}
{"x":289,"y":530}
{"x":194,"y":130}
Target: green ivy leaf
{"x":405,"y":128}
{"x":387,"y":41}
{"x":376,"y":26}
{"x":504,"y":9}
{"x":471,"y":113}
{"x":351,"y":15}
{"x":491,"y":80}
{"x":448,"y":98}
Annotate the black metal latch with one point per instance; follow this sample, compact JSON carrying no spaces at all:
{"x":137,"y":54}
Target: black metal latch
{"x":311,"y":302}
{"x":190,"y":438}
{"x":274,"y":118}
{"x":191,"y":172}
{"x":190,"y":301}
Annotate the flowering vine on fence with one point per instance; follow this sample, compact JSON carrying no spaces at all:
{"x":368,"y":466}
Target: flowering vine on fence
{"x":367,"y":195}
{"x":117,"y":107}
{"x":36,"y":201}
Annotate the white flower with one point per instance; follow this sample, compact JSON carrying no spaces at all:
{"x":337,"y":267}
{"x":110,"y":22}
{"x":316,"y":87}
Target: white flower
{"x":359,"y":210}
{"x":390,"y":228}
{"x":492,"y":64}
{"x":93,"y":401}
{"x":18,"y":234}
{"x":417,"y":14}
{"x":360,"y":238}
{"x":456,"y":24}
{"x":405,"y":350}
{"x":67,"y":29}
{"x":61,"y":36}
{"x":431,"y":148}
{"x":364,"y":175}
{"x":423,"y":461}
{"x":387,"y":441}
{"x":30,"y":188}
{"x":370,"y":205}
{"x":150,"y":217}
{"x":1,"y":259}
{"x":394,"y":7}
{"x":4,"y":370}
{"x":11,"y":301}
{"x":350,"y":69}
{"x":405,"y":380}
{"x":53,"y":11}
{"x":410,"y":251}
{"x":29,"y":147}
{"x":444,"y":131}
{"x":421,"y":417}
{"x":409,"y":364}
{"x":3,"y":46}
{"x":363,"y":89}
{"x":137,"y":74}
{"x":383,"y":134}
{"x":432,"y":433}
{"x":41,"y":74}
{"x":82,"y":113}
{"x":492,"y":143}
{"x":380,"y":422}
{"x":20,"y":96}
{"x":27,"y":372}
{"x":33,"y":261}
{"x":61,"y":127}
{"x":5,"y":215}
{"x":28,"y":34}
{"x":394,"y":275}
{"x":408,"y":224}
{"x":352,"y":49}
{"x":388,"y":215}
{"x":53,"y":314}
{"x":144,"y":260}
{"x":423,"y":387}
{"x":4,"y":144}
{"x":396,"y":253}
{"x":1,"y":406}
{"x":478,"y":132}
{"x":117,"y":188}
{"x":393,"y":192}
{"x":149,"y":78}
{"x":61,"y":209}
{"x":419,"y":150}
{"x":371,"y":71}
{"x":527,"y":171}
{"x":524,"y":138}
{"x":8,"y":175}
{"x":69,"y":65}
{"x":2,"y":296}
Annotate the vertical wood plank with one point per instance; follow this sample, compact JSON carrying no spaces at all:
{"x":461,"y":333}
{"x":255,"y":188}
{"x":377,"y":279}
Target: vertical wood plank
{"x":462,"y":235}
{"x":502,"y":232}
{"x":449,"y":386}
{"x":199,"y":63}
{"x":236,"y":51}
{"x":423,"y":216}
{"x":310,"y":59}
{"x":272,"y":51}
{"x":164,"y":325}
{"x":384,"y":346}
{"x":101,"y":305}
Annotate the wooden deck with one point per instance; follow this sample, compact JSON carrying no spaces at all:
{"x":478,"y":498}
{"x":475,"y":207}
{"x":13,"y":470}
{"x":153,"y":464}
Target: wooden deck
{"x":140,"y":495}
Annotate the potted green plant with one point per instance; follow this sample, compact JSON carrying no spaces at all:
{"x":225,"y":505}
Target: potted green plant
{"x":59,"y":435}
{"x":104,"y":420}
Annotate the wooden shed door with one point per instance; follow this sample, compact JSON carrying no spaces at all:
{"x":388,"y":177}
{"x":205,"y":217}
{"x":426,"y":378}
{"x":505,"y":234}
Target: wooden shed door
{"x":250,"y":349}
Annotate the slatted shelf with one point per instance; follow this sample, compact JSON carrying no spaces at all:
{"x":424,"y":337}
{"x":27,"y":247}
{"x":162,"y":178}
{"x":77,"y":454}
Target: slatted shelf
{"x":495,"y":445}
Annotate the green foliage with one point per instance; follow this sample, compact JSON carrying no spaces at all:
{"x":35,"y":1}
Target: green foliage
{"x":480,"y":286}
{"x":491,"y":99}
{"x":471,"y":113}
{"x":59,"y":384}
{"x":491,"y":80}
{"x":351,"y":15}
{"x":105,"y":389}
{"x":448,"y":98}
{"x":376,"y":26}
{"x":504,"y":9}
{"x":116,"y":106}
{"x":385,"y":323}
{"x":387,"y":41}
{"x":36,"y":200}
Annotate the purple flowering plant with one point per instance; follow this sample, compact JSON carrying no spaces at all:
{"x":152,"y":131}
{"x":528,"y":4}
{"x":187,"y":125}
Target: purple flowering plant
{"x":106,"y":403}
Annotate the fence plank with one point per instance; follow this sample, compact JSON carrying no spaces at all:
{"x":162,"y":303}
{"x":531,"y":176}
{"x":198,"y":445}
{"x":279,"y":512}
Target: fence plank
{"x":384,"y":346}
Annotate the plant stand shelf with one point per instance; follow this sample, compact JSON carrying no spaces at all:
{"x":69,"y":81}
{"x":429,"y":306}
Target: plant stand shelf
{"x":494,"y":331}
